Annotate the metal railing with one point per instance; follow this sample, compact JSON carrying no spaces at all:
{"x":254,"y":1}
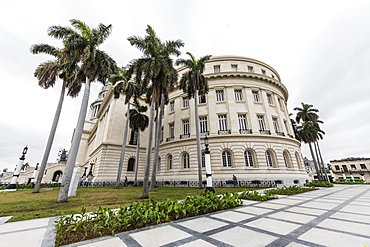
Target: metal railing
{"x":184,"y":136}
{"x":245,"y":131}
{"x":265,"y":132}
{"x":224,"y":132}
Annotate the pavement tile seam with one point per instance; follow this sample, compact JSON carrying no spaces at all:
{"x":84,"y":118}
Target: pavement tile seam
{"x":128,"y":240}
{"x":195,"y":236}
{"x":91,"y":241}
{"x":23,"y":230}
{"x":313,"y":223}
{"x":350,"y":221}
{"x":343,"y":232}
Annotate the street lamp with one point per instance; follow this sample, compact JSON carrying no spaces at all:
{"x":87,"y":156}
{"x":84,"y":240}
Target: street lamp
{"x":207,"y":159}
{"x":13,"y":184}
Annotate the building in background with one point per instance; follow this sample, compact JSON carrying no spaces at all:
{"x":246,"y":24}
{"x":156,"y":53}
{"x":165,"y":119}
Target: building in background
{"x":351,"y":169}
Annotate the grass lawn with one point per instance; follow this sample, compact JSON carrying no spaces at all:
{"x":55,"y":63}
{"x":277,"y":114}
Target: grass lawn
{"x":24,"y":205}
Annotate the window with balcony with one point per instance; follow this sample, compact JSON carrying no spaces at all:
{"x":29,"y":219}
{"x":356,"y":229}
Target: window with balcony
{"x":185,"y":129}
{"x":243,"y":126}
{"x":185,"y":161}
{"x":275,"y":124}
{"x":261,"y":122}
{"x":222,"y":125}
{"x":256,"y":97}
{"x":203,"y":126}
{"x":238,"y":95}
{"x":202,"y":99}
{"x":185,"y":102}
{"x":248,"y":157}
{"x":234,"y":67}
{"x":219,"y":95}
{"x":216,"y":69}
{"x":171,"y":128}
{"x":226,"y":159}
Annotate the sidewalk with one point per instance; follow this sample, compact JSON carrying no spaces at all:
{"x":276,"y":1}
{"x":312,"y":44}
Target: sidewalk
{"x":337,"y":216}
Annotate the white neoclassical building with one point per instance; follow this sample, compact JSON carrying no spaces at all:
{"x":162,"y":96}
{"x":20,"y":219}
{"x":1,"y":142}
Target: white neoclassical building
{"x":244,"y":115}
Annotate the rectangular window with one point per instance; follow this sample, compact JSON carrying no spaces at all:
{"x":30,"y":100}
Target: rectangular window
{"x":250,"y":69}
{"x":219,"y":95}
{"x":216,"y":68}
{"x":238,"y":95}
{"x":234,"y":67}
{"x":172,"y":130}
{"x":261,"y":123}
{"x":281,"y":103}
{"x":185,"y":127}
{"x":363,"y":166}
{"x":353,"y":167}
{"x":202,"y":99}
{"x":255,"y":96}
{"x":272,"y":76}
{"x":337,"y":168}
{"x":222,"y":124}
{"x":172,"y":106}
{"x":185,"y":102}
{"x":263,"y":72}
{"x":203,"y":125}
{"x":162,"y":133}
{"x":242,"y":121}
{"x":269,"y":99}
{"x":275,"y":123}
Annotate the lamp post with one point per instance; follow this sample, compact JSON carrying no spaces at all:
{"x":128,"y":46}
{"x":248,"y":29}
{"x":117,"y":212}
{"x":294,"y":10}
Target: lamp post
{"x":34,"y":174}
{"x":207,"y":159}
{"x":362,"y":176}
{"x":90,"y":176}
{"x":13,"y":184}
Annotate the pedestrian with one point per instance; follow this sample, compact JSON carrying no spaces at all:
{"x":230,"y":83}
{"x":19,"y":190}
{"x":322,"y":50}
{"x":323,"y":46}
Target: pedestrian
{"x":126,"y":181}
{"x":235,"y":180}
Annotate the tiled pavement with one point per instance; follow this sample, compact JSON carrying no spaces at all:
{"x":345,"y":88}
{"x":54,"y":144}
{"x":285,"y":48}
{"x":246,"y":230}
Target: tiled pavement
{"x":337,"y":216}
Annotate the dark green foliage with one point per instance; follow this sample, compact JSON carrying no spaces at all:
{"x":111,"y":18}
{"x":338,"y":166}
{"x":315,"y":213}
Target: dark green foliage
{"x":107,"y":221}
{"x":255,"y":196}
{"x":350,"y":182}
{"x":291,"y":190}
{"x":29,"y":186}
{"x":319,"y":184}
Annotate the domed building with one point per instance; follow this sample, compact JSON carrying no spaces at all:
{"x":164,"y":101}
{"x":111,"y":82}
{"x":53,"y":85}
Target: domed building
{"x":244,"y":116}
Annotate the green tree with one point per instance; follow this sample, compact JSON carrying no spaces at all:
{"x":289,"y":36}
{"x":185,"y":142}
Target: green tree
{"x":47,"y":74}
{"x":155,"y":67}
{"x":306,"y":113}
{"x":81,"y":44}
{"x":194,"y":83}
{"x":138,"y":122}
{"x":129,"y":88}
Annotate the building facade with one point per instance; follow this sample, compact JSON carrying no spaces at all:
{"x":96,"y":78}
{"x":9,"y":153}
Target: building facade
{"x":244,"y":115}
{"x":351,"y":169}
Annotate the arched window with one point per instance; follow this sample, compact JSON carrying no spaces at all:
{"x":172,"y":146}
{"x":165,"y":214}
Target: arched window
{"x":159,"y":164}
{"x":226,"y":159}
{"x":203,"y":159}
{"x":298,"y":160}
{"x":169,"y":162}
{"x":248,"y":156}
{"x":57,"y":175}
{"x":287,"y":161}
{"x":269,"y":159}
{"x":185,"y":160}
{"x":131,"y":165}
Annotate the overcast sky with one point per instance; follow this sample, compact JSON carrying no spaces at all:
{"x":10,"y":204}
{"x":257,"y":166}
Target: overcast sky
{"x":321,"y":49}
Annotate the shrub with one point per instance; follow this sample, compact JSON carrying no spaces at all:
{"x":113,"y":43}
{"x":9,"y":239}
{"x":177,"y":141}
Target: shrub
{"x":255,"y":196}
{"x":291,"y":190}
{"x":319,"y":184}
{"x":105,"y":221}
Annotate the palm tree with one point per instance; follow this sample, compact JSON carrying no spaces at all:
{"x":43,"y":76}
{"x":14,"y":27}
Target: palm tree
{"x":47,"y":73}
{"x":193,"y":83}
{"x":138,"y":122}
{"x":155,"y":67}
{"x":129,"y":88}
{"x":306,"y":113}
{"x":81,"y":44}
{"x":309,"y":132}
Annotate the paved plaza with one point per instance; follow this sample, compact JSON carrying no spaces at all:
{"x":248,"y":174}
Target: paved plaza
{"x":337,"y":216}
